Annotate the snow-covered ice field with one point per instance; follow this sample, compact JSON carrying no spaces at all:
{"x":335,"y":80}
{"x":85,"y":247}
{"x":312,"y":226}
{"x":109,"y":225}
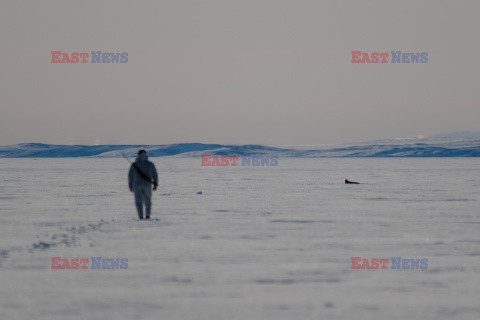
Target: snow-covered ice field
{"x":258,"y":243}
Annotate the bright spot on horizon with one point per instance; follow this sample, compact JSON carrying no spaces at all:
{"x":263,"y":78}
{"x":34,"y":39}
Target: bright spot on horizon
{"x":420,"y":136}
{"x":97,"y":142}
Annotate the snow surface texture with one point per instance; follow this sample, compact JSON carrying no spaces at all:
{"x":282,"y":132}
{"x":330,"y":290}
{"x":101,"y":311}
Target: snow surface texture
{"x":257,"y":243}
{"x":432,"y":147}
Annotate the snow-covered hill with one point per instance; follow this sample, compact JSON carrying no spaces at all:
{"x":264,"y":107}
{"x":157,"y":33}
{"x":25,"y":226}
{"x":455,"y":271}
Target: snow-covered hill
{"x":432,"y":147}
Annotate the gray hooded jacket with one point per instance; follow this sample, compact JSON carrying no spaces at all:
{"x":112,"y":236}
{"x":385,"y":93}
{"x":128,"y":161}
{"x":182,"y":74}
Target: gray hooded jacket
{"x":147,"y":167}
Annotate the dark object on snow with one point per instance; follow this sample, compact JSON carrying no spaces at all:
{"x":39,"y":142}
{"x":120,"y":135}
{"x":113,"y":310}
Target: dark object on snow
{"x":141,"y":175}
{"x":199,"y":192}
{"x":351,"y":182}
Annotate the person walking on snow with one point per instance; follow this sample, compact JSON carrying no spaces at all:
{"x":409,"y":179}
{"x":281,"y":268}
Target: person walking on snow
{"x":141,"y":176}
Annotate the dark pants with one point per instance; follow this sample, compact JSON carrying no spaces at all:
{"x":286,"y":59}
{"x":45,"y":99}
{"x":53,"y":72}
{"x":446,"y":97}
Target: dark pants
{"x":143,"y":195}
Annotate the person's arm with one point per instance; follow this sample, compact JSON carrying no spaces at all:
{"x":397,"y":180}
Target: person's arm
{"x":155,"y":177}
{"x":130,"y":178}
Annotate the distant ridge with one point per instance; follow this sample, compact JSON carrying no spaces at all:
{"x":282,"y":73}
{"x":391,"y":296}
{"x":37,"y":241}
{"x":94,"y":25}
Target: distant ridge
{"x":431,"y":147}
{"x":460,"y":134}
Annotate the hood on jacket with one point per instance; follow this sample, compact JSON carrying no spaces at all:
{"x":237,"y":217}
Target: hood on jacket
{"x":142,"y":157}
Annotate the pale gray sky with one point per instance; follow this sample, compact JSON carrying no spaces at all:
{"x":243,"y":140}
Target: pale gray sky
{"x":269,"y":72}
